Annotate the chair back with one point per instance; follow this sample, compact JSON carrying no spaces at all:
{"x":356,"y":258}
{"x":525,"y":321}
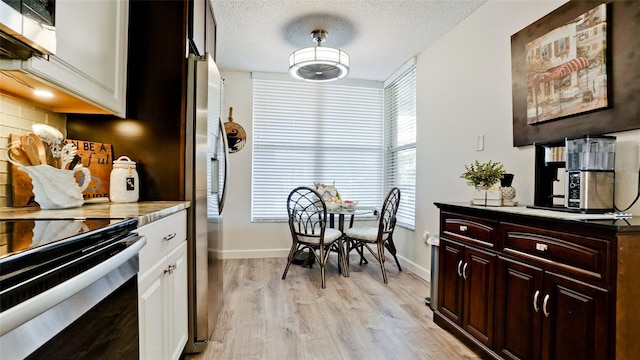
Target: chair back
{"x":307,"y":215}
{"x":388,"y":213}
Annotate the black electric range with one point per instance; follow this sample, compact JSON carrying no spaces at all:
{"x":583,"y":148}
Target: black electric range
{"x":38,"y":250}
{"x":65,"y":269}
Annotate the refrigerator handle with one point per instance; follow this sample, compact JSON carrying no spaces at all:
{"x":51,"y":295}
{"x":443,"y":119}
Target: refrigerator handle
{"x":225,"y":158}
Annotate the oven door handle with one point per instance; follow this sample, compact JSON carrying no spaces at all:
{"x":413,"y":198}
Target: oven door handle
{"x":29,"y":309}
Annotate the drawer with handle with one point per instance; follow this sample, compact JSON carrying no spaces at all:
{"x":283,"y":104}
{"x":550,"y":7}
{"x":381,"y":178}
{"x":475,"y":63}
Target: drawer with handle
{"x":579,"y":256}
{"x":163,"y":236}
{"x":469,"y":229}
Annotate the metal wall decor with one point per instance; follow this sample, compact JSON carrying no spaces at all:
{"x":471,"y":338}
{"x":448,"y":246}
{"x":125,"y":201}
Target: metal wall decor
{"x":236,"y":136}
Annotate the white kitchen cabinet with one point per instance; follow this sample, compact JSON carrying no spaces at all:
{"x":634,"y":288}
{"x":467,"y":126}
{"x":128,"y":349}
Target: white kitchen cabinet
{"x":90,"y":61}
{"x":162,"y":288}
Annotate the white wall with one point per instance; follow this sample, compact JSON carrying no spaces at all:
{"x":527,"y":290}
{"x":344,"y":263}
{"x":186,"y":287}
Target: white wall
{"x":464,"y":90}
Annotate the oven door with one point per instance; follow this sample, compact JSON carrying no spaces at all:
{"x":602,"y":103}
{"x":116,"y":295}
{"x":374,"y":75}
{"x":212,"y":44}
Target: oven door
{"x":91,"y":315}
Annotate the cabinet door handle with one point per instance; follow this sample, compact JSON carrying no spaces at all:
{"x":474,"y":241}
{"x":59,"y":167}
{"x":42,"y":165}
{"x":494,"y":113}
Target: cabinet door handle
{"x":544,"y":305}
{"x":464,"y":271}
{"x":463,"y":228}
{"x":169,"y":270}
{"x":535,"y":301}
{"x":169,"y":237}
{"x":460,"y":268}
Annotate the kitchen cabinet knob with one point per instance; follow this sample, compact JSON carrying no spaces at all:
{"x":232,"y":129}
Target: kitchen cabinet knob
{"x":464,"y":271}
{"x":460,"y":268}
{"x":169,"y":237}
{"x":544,"y":305}
{"x":169,"y":270}
{"x":535,"y":301}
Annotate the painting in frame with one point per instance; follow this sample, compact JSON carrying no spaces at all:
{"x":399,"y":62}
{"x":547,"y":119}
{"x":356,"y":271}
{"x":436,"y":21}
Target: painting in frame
{"x":567,"y":68}
{"x":622,"y":71}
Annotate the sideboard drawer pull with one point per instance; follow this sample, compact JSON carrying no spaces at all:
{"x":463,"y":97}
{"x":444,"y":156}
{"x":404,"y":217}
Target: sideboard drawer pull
{"x":169,"y":237}
{"x":541,"y":247}
{"x":463,"y":228}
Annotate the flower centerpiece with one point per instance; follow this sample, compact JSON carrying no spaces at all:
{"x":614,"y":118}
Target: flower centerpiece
{"x":483,"y":176}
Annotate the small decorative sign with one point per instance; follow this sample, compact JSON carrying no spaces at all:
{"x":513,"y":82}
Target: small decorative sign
{"x":98,"y":158}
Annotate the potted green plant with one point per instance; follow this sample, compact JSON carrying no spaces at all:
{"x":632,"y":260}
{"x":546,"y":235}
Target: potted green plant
{"x":483,"y":174}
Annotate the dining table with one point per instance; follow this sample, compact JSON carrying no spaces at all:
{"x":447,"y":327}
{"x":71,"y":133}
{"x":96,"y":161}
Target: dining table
{"x":364,"y":212}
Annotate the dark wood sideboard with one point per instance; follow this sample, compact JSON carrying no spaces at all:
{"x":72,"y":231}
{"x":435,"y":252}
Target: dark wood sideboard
{"x":531,"y":285}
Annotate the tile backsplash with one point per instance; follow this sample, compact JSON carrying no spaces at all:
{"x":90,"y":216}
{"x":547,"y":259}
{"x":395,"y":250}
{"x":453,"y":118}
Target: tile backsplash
{"x":16,"y":117}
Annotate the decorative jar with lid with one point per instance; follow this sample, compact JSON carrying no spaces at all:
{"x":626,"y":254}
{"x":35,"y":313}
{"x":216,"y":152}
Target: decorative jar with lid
{"x":124,"y":184}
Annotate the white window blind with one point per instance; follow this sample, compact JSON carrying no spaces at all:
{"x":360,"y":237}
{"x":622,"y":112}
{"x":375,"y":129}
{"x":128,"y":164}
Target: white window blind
{"x":400,"y":143}
{"x":306,"y":133}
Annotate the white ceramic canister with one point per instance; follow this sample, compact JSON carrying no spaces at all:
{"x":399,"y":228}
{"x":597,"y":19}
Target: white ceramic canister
{"x":124,"y":184}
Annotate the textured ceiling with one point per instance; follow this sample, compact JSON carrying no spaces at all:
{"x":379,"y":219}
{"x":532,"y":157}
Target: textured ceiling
{"x":378,"y":35}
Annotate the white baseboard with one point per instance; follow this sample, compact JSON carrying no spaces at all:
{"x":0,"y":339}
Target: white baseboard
{"x":413,"y":267}
{"x":253,"y":254}
{"x":271,"y":253}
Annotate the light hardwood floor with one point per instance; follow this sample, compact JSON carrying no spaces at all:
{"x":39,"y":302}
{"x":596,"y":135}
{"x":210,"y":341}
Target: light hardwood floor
{"x":358,"y":317}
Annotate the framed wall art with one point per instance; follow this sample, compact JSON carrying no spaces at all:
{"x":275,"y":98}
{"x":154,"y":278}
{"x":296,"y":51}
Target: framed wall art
{"x":575,"y":72}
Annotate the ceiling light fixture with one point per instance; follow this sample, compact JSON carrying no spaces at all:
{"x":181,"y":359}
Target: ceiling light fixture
{"x":319,"y":63}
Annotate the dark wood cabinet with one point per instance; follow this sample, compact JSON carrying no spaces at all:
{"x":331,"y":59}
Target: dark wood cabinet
{"x":519,"y":324}
{"x":478,"y":272}
{"x":575,"y":320}
{"x":520,"y":286}
{"x":466,"y":296}
{"x":450,"y":299}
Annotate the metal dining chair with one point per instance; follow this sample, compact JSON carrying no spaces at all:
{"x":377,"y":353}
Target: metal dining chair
{"x":309,"y":231}
{"x":359,"y":237}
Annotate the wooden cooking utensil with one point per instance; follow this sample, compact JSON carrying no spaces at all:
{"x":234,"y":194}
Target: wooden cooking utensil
{"x":34,"y":148}
{"x":17,"y":156}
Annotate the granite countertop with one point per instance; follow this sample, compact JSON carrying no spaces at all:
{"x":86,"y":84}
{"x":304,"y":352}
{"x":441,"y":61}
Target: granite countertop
{"x":631,"y":223}
{"x":145,"y":211}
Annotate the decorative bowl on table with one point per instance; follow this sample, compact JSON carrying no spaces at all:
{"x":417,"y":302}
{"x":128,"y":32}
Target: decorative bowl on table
{"x":332,"y":205}
{"x":349,"y":204}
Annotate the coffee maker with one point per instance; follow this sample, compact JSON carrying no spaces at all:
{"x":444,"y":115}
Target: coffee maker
{"x":549,"y":192}
{"x":590,"y":174}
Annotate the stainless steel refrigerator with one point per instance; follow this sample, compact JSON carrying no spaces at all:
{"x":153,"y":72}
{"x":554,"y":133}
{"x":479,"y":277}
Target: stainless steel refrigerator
{"x":206,"y":174}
